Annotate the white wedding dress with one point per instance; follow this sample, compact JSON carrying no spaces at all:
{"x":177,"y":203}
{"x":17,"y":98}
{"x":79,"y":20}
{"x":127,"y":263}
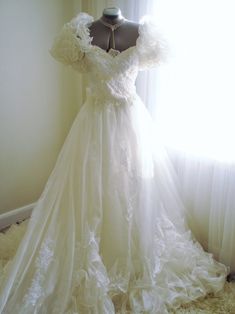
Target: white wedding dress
{"x":107,"y":235}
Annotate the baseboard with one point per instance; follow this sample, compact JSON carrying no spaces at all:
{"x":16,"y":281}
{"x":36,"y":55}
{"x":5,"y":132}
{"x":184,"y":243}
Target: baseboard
{"x":16,"y":215}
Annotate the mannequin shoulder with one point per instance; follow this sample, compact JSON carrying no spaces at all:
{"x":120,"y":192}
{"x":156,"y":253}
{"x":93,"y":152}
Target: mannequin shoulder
{"x":94,"y":25}
{"x":131,"y":28}
{"x":131,"y":24}
{"x":130,"y":32}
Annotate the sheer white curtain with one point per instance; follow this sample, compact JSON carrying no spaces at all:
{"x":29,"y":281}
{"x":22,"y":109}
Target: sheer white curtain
{"x":192,"y":99}
{"x":195,"y":114}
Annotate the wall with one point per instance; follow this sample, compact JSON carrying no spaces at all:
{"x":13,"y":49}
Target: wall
{"x":39,"y":98}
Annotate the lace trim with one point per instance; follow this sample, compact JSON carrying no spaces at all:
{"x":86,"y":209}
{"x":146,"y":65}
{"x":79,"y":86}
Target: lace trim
{"x":43,"y":262}
{"x":80,"y":24}
{"x":74,"y":41}
{"x":151,"y":45}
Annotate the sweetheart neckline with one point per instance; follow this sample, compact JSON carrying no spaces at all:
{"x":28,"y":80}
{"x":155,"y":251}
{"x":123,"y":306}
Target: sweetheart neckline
{"x":107,"y":52}
{"x":86,"y":26}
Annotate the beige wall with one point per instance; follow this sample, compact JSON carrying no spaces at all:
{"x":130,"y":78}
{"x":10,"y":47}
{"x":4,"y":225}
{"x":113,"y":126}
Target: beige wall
{"x":38,"y":97}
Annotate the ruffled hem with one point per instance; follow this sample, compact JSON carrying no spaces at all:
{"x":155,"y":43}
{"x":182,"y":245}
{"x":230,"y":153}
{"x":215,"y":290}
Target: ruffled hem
{"x":179,"y":272}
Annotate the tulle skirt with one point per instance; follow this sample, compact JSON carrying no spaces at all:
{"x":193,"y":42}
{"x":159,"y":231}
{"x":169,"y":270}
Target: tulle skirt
{"x":108,"y":233}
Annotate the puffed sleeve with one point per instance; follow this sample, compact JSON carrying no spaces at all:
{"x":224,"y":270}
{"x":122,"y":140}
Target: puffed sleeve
{"x":152,"y":47}
{"x":69,"y":45}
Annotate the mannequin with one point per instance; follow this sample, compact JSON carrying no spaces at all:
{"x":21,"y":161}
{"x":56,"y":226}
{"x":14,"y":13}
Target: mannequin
{"x":124,"y":35}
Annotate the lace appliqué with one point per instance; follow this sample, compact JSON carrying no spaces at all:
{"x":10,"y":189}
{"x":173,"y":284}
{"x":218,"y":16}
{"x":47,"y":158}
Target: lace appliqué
{"x":113,"y":52}
{"x":128,"y":167}
{"x":90,"y":280}
{"x":43,"y":261}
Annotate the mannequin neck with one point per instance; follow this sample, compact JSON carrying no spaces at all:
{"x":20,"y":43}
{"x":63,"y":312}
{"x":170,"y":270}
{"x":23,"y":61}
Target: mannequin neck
{"x":112,"y":15}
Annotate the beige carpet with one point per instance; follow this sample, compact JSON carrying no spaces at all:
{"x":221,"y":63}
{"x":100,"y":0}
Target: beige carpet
{"x":223,"y":303}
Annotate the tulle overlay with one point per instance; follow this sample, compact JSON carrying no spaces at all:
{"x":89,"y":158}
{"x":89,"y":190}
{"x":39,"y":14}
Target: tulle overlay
{"x":107,"y":234}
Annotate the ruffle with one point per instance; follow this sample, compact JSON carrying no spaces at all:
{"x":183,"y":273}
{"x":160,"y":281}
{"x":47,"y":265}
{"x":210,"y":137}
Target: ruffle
{"x":72,"y":42}
{"x":90,"y":284}
{"x":80,"y":23}
{"x":179,"y":273}
{"x":151,"y":45}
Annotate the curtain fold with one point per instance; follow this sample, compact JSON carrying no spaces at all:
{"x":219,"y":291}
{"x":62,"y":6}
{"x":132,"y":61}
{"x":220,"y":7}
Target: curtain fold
{"x":194,"y":113}
{"x":208,"y":191}
{"x":191,"y":99}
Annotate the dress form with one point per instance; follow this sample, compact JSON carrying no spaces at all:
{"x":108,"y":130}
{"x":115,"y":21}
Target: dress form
{"x":107,"y":234}
{"x":123,"y":37}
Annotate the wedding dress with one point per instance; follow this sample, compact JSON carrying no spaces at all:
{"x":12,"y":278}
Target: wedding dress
{"x":108,"y":233}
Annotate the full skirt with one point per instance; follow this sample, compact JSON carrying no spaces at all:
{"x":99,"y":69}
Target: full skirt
{"x":108,"y":233}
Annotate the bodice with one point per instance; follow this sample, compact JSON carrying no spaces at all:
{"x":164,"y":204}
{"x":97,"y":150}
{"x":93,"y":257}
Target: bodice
{"x":110,"y":76}
{"x":112,"y":79}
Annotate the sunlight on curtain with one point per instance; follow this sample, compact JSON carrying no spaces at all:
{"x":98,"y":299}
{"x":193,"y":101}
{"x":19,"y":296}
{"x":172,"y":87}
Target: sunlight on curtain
{"x":197,"y":95}
{"x":193,"y":105}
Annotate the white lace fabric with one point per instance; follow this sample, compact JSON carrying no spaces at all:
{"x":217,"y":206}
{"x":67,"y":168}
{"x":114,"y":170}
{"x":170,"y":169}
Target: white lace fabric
{"x":108,"y":234}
